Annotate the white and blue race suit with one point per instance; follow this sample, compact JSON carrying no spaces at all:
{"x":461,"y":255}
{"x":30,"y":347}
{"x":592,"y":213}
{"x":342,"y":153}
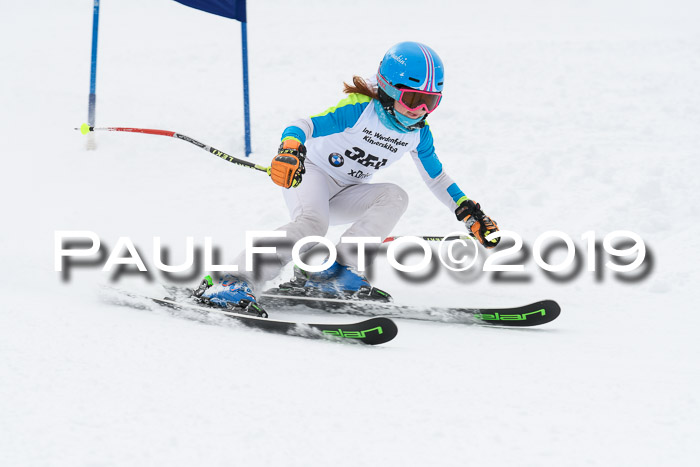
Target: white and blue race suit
{"x":346,"y":145}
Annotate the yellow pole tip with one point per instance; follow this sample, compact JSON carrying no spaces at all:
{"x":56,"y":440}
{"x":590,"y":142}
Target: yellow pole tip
{"x":85,"y":128}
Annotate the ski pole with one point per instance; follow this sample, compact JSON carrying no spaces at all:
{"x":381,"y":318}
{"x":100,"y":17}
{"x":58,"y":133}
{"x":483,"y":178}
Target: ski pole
{"x":429,"y":238}
{"x":85,"y":129}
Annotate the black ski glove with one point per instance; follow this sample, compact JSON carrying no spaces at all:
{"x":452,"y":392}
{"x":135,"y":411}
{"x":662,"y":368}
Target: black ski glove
{"x":478,"y":223}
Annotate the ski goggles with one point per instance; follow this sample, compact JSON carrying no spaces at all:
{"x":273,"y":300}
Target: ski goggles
{"x":412,"y":99}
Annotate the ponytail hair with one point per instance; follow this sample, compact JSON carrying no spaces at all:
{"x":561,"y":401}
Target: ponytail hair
{"x":360,"y":86}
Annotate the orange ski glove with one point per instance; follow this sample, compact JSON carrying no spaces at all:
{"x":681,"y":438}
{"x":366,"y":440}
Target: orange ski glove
{"x":288,"y":165}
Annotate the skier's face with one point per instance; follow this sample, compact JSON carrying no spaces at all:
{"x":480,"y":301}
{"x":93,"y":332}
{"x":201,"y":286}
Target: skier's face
{"x":406,"y":112}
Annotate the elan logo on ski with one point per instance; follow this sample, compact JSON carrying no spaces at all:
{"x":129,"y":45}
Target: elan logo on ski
{"x":510,"y":317}
{"x":353,"y":334}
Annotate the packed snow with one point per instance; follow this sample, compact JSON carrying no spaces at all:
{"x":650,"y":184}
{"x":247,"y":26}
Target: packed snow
{"x":557,"y":115}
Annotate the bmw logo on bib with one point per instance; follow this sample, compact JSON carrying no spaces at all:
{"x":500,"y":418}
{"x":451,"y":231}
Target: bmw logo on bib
{"x":336,"y":160}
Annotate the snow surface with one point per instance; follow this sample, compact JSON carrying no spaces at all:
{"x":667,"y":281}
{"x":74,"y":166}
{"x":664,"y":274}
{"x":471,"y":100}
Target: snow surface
{"x":558,"y":115}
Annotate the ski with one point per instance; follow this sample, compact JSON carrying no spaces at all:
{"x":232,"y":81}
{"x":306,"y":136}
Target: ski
{"x":373,"y":331}
{"x":533,"y":314}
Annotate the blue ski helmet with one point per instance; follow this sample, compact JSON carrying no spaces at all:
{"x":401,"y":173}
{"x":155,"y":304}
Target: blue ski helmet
{"x":409,"y":65}
{"x":413,"y":65}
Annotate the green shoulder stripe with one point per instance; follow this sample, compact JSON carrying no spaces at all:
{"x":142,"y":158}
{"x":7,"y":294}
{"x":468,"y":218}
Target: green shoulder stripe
{"x":352,"y":99}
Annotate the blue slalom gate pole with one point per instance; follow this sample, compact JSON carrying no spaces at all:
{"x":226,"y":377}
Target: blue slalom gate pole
{"x":246,"y":102}
{"x":93,"y":63}
{"x":92,"y":98}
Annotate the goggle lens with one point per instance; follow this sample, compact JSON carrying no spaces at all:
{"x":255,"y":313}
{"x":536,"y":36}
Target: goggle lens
{"x":412,"y":99}
{"x":416,"y":99}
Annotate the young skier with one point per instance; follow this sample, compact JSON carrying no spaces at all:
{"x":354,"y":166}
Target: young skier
{"x":336,"y":153}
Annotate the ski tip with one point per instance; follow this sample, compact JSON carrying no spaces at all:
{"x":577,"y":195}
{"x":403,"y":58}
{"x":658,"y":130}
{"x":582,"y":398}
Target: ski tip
{"x":385,"y":330}
{"x":373,"y":331}
{"x":534,"y":314}
{"x":552,"y":306}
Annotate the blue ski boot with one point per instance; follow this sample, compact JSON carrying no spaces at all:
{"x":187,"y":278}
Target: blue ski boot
{"x":338,"y":281}
{"x":231,"y":293}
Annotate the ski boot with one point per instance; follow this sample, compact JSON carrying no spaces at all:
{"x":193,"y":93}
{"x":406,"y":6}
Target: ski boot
{"x":338,"y":281}
{"x":231,"y":293}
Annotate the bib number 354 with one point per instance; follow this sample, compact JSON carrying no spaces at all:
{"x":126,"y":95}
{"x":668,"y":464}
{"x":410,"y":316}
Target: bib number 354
{"x":365,"y":159}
